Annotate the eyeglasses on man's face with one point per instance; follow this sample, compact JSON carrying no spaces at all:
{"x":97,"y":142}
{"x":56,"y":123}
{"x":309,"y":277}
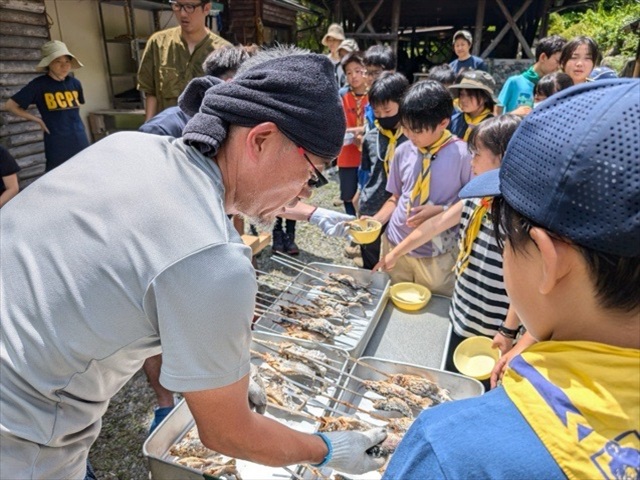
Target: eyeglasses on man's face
{"x":317,"y":180}
{"x":187,"y":7}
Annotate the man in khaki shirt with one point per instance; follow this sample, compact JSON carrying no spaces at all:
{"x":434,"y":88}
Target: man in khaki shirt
{"x":174,"y":56}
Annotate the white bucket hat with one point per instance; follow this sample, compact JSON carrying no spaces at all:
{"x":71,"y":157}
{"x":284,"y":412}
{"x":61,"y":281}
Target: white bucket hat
{"x":52,"y":50}
{"x":334,"y":31}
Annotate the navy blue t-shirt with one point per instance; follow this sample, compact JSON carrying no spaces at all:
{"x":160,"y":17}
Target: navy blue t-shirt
{"x":471,"y":63}
{"x":170,"y":121}
{"x":481,"y":438}
{"x":8,"y":166}
{"x":58,"y":103}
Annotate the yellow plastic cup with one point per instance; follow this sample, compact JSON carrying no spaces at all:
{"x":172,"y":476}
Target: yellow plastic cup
{"x":372,"y":227}
{"x":409,"y":296}
{"x":475,"y":358}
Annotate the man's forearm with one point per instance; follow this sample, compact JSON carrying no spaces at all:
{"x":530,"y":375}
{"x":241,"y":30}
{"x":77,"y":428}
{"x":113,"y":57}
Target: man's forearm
{"x":150,"y":107}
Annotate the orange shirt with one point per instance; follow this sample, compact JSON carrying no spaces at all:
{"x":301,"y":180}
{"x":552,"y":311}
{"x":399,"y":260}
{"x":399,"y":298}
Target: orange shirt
{"x":354,"y":112}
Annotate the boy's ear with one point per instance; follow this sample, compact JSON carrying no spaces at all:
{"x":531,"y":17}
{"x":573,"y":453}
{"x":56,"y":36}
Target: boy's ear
{"x":444,"y":123}
{"x":554,"y":256}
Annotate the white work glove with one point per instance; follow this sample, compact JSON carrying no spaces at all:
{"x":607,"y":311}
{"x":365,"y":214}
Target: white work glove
{"x":349,"y":450}
{"x":332,"y":223}
{"x":257,"y":392}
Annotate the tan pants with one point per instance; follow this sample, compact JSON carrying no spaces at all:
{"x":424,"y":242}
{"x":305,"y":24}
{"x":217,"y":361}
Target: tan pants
{"x":435,"y":273}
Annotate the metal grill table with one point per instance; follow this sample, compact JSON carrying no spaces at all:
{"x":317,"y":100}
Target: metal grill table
{"x":421,"y":337}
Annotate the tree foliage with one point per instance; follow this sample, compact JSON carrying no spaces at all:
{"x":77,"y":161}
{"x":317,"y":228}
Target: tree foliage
{"x":604,"y":23}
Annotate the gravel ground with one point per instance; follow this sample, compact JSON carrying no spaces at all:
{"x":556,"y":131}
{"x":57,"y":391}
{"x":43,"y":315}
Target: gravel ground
{"x":117,"y":453}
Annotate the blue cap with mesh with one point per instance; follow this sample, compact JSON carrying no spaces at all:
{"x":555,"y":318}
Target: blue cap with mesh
{"x":573,"y":167}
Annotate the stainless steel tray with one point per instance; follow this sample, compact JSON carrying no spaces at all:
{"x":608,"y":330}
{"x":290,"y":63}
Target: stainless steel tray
{"x":459,"y":387}
{"x":180,"y":421}
{"x":355,"y":341}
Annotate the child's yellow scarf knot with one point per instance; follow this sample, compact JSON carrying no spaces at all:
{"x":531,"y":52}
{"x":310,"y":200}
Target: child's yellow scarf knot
{"x":393,"y":137}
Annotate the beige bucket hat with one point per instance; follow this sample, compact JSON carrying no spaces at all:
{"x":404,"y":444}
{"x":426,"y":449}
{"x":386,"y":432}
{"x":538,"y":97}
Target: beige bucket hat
{"x":334,"y":31}
{"x":349,"y":45}
{"x":475,"y":80}
{"x":52,"y":50}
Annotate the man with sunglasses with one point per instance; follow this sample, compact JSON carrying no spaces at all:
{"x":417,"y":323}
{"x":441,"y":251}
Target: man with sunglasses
{"x":174,"y":56}
{"x":137,"y":257}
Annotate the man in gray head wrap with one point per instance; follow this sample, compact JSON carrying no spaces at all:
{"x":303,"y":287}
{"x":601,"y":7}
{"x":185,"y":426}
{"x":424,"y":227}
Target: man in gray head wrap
{"x":136,"y":257}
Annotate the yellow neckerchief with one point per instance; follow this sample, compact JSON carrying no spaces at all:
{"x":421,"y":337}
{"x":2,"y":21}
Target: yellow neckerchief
{"x":391,"y":148}
{"x":581,"y":400}
{"x":472,"y":122}
{"x":470,"y":234}
{"x":421,"y":187}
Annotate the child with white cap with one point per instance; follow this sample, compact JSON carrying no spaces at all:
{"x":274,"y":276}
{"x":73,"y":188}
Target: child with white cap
{"x":57,"y":97}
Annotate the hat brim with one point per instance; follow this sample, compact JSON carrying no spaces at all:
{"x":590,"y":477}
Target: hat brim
{"x":324,"y":39}
{"x":468,"y":86}
{"x":46,"y":61}
{"x":485,"y":185}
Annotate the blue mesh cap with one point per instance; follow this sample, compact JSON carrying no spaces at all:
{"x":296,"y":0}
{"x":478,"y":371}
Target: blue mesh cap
{"x":573,"y":167}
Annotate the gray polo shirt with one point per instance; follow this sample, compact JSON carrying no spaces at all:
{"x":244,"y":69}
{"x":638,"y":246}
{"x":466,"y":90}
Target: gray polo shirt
{"x":121,"y":253}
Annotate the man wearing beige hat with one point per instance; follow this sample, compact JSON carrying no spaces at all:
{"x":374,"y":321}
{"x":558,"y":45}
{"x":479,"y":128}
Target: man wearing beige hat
{"x":57,"y":97}
{"x":174,"y":56}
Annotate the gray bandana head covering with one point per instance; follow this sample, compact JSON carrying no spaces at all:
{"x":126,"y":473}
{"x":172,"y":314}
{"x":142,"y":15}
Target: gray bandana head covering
{"x":298,"y":93}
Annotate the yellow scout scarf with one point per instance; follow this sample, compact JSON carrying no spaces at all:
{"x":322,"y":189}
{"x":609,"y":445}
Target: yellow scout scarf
{"x":391,"y":147}
{"x":421,"y":188}
{"x":581,"y":400}
{"x":470,"y":234}
{"x":472,"y":122}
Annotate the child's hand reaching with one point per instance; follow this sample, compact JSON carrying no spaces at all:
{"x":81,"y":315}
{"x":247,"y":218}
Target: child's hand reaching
{"x":417,"y":215}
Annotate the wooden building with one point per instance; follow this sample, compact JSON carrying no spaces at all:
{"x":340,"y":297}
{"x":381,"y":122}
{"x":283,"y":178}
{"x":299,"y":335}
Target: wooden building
{"x":263,"y":22}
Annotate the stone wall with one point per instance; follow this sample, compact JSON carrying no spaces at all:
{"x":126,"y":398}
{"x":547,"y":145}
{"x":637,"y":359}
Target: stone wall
{"x":502,"y":68}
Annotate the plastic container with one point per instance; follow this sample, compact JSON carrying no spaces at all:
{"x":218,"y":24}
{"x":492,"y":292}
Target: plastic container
{"x":365,"y":230}
{"x":409,"y":296}
{"x":475,"y":358}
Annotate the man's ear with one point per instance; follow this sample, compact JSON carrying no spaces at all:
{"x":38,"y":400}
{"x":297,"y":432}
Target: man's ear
{"x":261,"y":138}
{"x":554,"y":255}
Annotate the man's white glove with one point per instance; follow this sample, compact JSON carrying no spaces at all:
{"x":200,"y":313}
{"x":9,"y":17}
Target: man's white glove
{"x":348,"y":450}
{"x":332,"y":223}
{"x":257,"y":392}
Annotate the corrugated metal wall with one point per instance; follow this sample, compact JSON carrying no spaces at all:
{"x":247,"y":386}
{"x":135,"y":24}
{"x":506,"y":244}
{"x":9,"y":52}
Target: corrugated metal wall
{"x":23,"y":30}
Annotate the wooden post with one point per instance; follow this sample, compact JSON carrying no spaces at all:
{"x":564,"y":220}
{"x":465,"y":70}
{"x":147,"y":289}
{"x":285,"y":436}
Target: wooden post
{"x":544,"y":22}
{"x":360,"y":13}
{"x":395,"y":24}
{"x":505,"y":29}
{"x":477,"y":33}
{"x":515,"y":28}
{"x":367,"y":21}
{"x":337,"y":11}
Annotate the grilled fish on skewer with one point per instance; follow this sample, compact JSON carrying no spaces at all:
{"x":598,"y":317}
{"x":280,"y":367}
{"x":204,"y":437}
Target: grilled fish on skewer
{"x":191,"y":446}
{"x":228,"y":471}
{"x":347,"y":280}
{"x":308,"y":356}
{"x":387,"y":389}
{"x":339,"y":424}
{"x":289,"y":368}
{"x":393,"y":404}
{"x":422,"y":387}
{"x":399,"y":425}
{"x":285,"y":395}
{"x":199,"y":463}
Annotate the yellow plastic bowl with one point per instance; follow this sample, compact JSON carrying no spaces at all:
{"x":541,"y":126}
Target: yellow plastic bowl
{"x":409,"y":296}
{"x":475,"y":358}
{"x":373,"y":228}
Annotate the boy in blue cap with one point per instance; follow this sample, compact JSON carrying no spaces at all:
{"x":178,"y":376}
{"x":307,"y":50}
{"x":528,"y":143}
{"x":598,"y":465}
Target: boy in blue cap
{"x":569,"y":405}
